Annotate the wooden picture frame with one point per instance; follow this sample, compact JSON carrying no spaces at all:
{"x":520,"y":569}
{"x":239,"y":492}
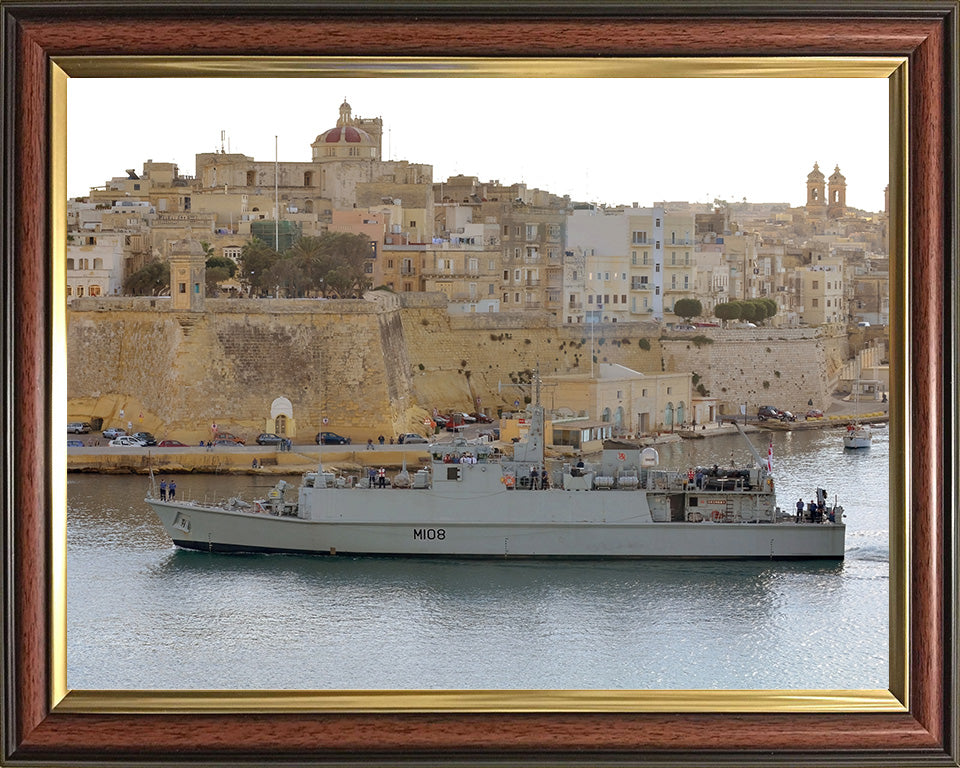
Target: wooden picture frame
{"x":39,"y":728}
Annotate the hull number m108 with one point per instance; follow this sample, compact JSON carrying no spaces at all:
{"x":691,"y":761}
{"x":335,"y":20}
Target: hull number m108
{"x":429,"y":534}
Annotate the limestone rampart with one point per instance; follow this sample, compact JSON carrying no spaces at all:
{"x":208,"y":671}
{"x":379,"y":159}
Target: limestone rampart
{"x":784,"y":367}
{"x":379,"y":366}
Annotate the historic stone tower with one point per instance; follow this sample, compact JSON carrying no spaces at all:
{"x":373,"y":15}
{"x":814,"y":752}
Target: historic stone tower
{"x":187,"y":275}
{"x":816,"y":197}
{"x":837,"y":206}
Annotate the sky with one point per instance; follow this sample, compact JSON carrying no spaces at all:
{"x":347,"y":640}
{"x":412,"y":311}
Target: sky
{"x":602,"y":140}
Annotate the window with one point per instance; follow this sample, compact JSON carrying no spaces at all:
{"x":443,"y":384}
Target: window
{"x":70,"y":264}
{"x":643,"y":393}
{"x":589,"y":298}
{"x":623,"y":298}
{"x":673,"y":258}
{"x":531,"y":231}
{"x":816,"y":302}
{"x":657,"y":245}
{"x":646,"y":257}
{"x":816,"y":284}
{"x":94,"y":290}
{"x":506,"y":274}
{"x":639,"y":238}
{"x":669,"y":390}
{"x":490,"y":289}
{"x":633,"y":258}
{"x":615,"y":297}
{"x":657,"y":223}
{"x":98,"y":263}
{"x":181,"y":287}
{"x":656,"y":268}
{"x":506,"y":230}
{"x":657,"y":290}
{"x":389,"y":263}
{"x":473,"y":266}
{"x":413,"y":223}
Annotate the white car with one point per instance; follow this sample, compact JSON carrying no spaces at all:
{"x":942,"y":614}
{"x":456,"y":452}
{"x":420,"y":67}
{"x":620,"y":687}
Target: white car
{"x":412,"y":437}
{"x":467,"y":417}
{"x":125,"y":441}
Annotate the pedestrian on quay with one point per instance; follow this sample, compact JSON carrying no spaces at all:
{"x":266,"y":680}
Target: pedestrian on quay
{"x":370,"y":444}
{"x":372,"y":476}
{"x":800,"y":509}
{"x":163,"y":490}
{"x":380,"y":439}
{"x":382,"y":477}
{"x":173,"y":490}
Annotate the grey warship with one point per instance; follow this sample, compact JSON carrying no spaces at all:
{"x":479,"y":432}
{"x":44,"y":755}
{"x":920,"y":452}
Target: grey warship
{"x":474,"y":501}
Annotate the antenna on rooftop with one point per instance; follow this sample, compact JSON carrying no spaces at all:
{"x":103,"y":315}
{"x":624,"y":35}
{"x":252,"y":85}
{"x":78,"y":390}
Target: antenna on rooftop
{"x":223,"y":136}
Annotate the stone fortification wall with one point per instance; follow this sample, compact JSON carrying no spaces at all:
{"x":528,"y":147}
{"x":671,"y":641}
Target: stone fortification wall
{"x":373,"y":366}
{"x":780,"y":367}
{"x":176,"y":373}
{"x":457,"y":359}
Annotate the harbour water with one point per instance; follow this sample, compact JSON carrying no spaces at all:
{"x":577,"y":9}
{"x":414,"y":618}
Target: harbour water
{"x":145,"y":615}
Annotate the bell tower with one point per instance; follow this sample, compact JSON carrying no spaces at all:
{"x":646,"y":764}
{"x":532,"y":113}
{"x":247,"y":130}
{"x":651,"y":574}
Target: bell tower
{"x":816,"y":197}
{"x":837,"y":206}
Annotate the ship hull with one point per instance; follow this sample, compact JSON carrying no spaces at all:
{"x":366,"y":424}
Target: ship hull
{"x":217,"y":530}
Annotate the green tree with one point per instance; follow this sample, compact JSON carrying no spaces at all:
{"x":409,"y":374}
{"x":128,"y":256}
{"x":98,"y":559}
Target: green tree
{"x":224,"y":262}
{"x":152,"y":280}
{"x":256,"y":258}
{"x":688,"y":308}
{"x":727,"y":311}
{"x":344,"y":260}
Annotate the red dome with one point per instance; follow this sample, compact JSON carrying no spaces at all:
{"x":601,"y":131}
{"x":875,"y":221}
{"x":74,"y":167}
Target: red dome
{"x":349,"y":134}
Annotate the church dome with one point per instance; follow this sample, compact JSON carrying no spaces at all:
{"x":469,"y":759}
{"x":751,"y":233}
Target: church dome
{"x":353,"y":141}
{"x":816,"y":174}
{"x":347,"y":133}
{"x":836,"y":176}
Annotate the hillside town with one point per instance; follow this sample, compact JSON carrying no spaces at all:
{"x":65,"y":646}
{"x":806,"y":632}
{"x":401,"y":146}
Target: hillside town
{"x":483,"y":259}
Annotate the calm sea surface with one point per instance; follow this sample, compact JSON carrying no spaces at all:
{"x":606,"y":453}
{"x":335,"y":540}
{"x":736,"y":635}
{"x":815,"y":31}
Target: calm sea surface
{"x":142,"y":614}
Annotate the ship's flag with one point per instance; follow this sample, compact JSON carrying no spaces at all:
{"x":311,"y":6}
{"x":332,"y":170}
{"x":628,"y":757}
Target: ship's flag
{"x":770,"y":458}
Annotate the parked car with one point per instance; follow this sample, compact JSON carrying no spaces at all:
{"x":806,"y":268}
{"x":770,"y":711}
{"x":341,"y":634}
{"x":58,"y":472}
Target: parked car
{"x":786,"y":416}
{"x":684,"y":328}
{"x":112,"y":432}
{"x":331,"y":438}
{"x":412,"y":437}
{"x":78,"y":427}
{"x":441,"y":419}
{"x":74,"y":443}
{"x":765,"y":412}
{"x":226,"y":437}
{"x":482,"y":418}
{"x":268,"y":438}
{"x":863,"y":324}
{"x":145,"y":437}
{"x":227,"y":442}
{"x":125,"y":441}
{"x":171,"y":444}
{"x":814,"y":413}
{"x":468,"y":418}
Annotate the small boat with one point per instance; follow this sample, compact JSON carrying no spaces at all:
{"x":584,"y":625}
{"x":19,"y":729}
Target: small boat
{"x":472,"y":501}
{"x":857,"y":436}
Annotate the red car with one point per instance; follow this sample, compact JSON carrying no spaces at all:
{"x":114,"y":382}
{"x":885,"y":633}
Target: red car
{"x":482,"y":418}
{"x":171,"y":444}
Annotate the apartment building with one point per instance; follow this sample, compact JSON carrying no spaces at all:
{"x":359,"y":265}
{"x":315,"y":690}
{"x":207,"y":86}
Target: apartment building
{"x":662,"y":267}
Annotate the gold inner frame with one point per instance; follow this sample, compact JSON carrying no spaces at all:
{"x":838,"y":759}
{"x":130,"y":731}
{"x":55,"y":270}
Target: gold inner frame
{"x":681,"y":701}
